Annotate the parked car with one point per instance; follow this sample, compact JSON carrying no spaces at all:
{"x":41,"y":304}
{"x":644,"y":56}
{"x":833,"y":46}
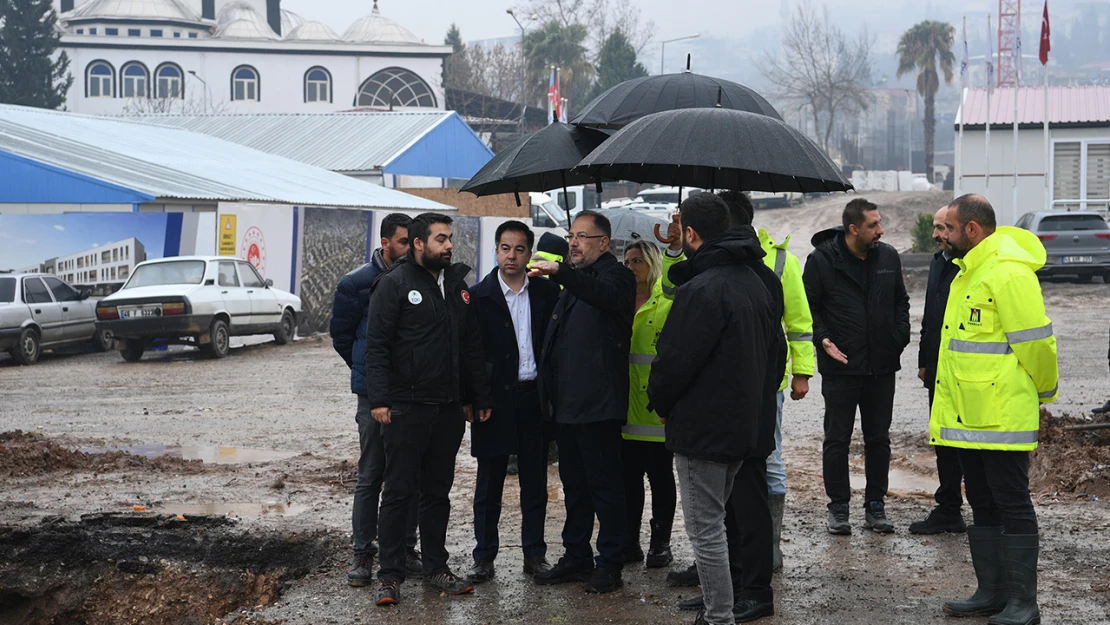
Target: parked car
{"x":40,"y":310}
{"x":1078,"y":242}
{"x":196,"y":300}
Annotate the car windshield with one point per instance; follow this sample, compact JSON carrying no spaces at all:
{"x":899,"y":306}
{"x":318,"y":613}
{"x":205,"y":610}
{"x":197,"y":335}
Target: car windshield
{"x":660,"y":198}
{"x":1056,"y":223}
{"x":7,"y":290}
{"x":176,"y":272}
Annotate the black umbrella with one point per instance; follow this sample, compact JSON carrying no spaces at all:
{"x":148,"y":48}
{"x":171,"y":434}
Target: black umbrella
{"x":633,"y":99}
{"x":539,"y":162}
{"x":715,"y":148}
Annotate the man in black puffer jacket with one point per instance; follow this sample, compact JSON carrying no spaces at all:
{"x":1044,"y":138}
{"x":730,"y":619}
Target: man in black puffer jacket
{"x":861,"y":324}
{"x":709,"y":383}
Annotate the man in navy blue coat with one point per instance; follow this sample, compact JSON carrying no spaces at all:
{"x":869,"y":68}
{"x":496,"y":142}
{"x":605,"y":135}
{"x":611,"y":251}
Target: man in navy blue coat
{"x":348,"y":337}
{"x":513,"y":311}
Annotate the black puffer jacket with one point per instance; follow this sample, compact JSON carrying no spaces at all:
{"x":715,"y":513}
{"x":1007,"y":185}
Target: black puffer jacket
{"x":941,"y":273}
{"x":721,"y":354}
{"x":423,"y":347}
{"x":868,"y":320}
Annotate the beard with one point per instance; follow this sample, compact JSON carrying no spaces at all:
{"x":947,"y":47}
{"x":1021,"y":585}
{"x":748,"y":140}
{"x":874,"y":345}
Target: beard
{"x":438,"y":262}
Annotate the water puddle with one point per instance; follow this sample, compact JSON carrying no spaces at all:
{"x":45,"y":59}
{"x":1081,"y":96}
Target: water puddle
{"x":235,"y":509}
{"x":900,"y":481}
{"x":211,"y":454}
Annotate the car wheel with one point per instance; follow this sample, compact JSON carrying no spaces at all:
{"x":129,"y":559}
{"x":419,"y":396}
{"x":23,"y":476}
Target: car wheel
{"x":102,"y":340}
{"x":1085,"y":278}
{"x":28,"y":350}
{"x":219,"y":339}
{"x":284,"y":332}
{"x":132,"y":350}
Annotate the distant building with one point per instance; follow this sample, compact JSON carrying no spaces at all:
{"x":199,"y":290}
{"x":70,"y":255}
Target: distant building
{"x":107,"y":266}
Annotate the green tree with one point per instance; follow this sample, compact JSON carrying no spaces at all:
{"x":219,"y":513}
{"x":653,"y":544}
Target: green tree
{"x":31,"y":73}
{"x":920,"y":49}
{"x":458,"y":70}
{"x":563,"y":47}
{"x":454,"y":38}
{"x":923,"y":233}
{"x":616,"y":63}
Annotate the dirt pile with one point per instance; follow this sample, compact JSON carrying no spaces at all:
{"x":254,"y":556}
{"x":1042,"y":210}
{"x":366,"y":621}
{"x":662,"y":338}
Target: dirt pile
{"x":25,"y":454}
{"x":1071,"y":461}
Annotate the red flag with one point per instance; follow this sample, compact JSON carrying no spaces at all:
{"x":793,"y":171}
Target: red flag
{"x":1046,"y":44}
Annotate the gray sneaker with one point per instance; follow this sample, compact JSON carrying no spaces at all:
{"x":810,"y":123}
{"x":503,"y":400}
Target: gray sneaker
{"x":875,"y":518}
{"x":362,"y":572}
{"x":838,"y":519}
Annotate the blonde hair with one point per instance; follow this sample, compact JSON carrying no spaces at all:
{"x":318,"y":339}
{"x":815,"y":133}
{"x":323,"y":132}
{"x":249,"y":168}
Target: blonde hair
{"x":651,"y":255}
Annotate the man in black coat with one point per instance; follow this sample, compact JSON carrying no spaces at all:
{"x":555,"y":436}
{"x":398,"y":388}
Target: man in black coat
{"x":584,"y":387}
{"x":513,"y":312}
{"x":946,"y":516}
{"x":720,"y":358}
{"x":861,"y":324}
{"x":424,"y":372}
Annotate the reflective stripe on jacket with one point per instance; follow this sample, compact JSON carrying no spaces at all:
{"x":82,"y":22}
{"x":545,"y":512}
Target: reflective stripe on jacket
{"x":643,"y":424}
{"x":797,"y":321}
{"x":997,"y":351}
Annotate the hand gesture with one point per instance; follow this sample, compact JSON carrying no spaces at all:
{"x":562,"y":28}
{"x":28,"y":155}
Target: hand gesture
{"x":539,"y":268}
{"x":833,"y":352}
{"x":381,"y":415}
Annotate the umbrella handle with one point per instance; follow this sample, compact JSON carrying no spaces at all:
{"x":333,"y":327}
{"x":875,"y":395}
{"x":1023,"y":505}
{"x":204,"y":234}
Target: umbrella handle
{"x":663,"y":239}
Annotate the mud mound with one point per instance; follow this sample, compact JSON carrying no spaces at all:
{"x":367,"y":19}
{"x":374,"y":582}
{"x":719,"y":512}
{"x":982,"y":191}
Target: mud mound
{"x":27,"y":454}
{"x":1071,"y":461}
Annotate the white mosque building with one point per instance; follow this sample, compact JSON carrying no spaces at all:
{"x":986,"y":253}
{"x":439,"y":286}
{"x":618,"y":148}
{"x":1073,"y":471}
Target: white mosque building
{"x":240,"y":56}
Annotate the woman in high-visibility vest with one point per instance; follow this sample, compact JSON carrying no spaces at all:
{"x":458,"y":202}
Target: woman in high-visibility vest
{"x":642,"y":450}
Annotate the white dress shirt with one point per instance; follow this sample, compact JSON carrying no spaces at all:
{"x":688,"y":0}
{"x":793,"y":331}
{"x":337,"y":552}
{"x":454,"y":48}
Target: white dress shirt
{"x":521,"y":312}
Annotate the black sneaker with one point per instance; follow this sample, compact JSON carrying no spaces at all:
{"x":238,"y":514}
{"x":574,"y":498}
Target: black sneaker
{"x":684,"y":579}
{"x":482,"y":571}
{"x":875,"y":518}
{"x":565,"y":570}
{"x":939,"y":521}
{"x":535,"y":565}
{"x":389,"y":592}
{"x":604,"y":580}
{"x":748,"y":610}
{"x":362,"y":573}
{"x":693,"y":603}
{"x":414,"y":565}
{"x":838,"y":519}
{"x":447,"y":582}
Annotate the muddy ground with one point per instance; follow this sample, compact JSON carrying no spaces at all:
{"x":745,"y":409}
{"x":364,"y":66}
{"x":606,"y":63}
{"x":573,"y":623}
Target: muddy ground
{"x":112,"y":496}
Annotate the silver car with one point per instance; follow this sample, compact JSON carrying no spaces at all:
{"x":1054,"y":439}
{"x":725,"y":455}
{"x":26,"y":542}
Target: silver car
{"x":39,"y":310}
{"x":1078,"y":242}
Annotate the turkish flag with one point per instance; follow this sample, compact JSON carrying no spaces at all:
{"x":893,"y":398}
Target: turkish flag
{"x":1046,"y":44}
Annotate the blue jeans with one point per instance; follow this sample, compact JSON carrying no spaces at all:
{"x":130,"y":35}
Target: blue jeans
{"x":705,"y":488}
{"x":776,"y":468}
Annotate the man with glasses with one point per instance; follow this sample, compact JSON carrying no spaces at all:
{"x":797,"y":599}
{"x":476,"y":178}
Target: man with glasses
{"x":584,"y":387}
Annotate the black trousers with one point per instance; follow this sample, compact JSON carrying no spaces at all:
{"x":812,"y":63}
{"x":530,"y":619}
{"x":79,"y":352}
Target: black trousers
{"x":532,"y":474}
{"x":949,"y":495}
{"x":750,"y":533}
{"x":874,"y":396}
{"x":368,"y":485}
{"x":998,"y":489}
{"x":652,"y":459}
{"x":593,"y":484}
{"x":421,"y":443}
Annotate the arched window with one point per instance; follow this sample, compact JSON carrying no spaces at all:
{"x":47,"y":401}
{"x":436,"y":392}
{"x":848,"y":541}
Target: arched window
{"x":245,"y":84}
{"x":100,"y":80}
{"x":396,"y":86}
{"x":317,"y":85}
{"x":135,"y":80}
{"x":170,"y":81}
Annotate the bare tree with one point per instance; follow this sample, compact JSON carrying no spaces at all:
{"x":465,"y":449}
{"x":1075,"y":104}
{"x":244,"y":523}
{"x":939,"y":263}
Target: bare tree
{"x":192,"y":105}
{"x":821,"y":69}
{"x":495,"y":71}
{"x":600,"y":17}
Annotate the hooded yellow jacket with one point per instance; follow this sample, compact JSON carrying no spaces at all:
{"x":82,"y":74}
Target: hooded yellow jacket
{"x":796,"y":318}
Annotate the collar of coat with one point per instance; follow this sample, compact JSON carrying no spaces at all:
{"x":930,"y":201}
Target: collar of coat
{"x":737,"y":246}
{"x":452,"y":275}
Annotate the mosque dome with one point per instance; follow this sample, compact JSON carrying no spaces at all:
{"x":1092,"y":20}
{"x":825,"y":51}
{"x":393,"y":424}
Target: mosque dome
{"x":133,"y":9}
{"x":239,"y":20}
{"x":290,"y":21}
{"x":376,"y":28}
{"x":312,"y":31}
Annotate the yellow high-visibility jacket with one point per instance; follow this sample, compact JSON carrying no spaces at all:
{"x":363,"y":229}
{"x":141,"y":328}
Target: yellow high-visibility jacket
{"x":643,"y":424}
{"x":797,"y":321}
{"x":997,"y":351}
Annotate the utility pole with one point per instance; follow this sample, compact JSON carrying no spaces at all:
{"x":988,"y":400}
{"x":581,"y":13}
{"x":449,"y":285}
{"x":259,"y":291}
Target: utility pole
{"x":663,"y":49}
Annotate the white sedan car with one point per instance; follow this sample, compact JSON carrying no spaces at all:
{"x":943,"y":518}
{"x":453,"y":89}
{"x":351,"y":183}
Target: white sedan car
{"x":196,"y":300}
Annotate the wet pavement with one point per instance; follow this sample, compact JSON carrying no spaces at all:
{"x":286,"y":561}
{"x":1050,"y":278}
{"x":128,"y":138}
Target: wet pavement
{"x":212,"y":454}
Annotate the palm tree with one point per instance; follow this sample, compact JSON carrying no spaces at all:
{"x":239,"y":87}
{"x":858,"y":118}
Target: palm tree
{"x":919,"y":49}
{"x":563,"y":47}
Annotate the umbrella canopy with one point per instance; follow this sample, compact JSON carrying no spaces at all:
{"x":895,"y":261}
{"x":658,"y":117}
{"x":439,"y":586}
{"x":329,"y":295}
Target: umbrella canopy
{"x":715,"y":148}
{"x":633,"y":99}
{"x":539,"y":162}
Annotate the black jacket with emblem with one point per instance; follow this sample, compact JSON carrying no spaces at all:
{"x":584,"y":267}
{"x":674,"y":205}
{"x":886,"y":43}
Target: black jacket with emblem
{"x":721,"y":354}
{"x":584,"y":373}
{"x":861,"y":306}
{"x":422,"y":346}
{"x":498,"y":436}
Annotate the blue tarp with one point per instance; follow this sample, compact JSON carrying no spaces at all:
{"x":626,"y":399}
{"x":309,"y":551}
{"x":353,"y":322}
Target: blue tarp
{"x":450,"y":150}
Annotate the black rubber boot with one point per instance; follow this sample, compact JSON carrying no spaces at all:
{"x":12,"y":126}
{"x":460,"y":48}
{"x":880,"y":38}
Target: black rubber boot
{"x":1022,"y":551}
{"x":778,"y":504}
{"x":659,"y":549}
{"x":988,"y":559}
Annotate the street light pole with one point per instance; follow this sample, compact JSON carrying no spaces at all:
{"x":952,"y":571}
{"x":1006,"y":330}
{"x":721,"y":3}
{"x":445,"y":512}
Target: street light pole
{"x":203,"y":82}
{"x":663,"y":49}
{"x":524,"y":77}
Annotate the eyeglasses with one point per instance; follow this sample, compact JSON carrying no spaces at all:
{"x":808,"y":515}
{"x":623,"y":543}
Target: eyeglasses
{"x":582,"y":237}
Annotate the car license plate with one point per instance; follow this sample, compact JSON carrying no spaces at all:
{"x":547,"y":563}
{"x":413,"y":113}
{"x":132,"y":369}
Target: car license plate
{"x":134,"y":312}
{"x":1078,"y":259}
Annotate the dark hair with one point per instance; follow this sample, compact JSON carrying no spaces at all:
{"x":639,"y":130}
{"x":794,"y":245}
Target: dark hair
{"x":393,"y":221}
{"x":975,"y":208}
{"x":601,"y":222}
{"x":515,"y":226}
{"x":706,"y":213}
{"x":853,"y":212}
{"x":740,"y":209}
{"x":421,"y":226}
